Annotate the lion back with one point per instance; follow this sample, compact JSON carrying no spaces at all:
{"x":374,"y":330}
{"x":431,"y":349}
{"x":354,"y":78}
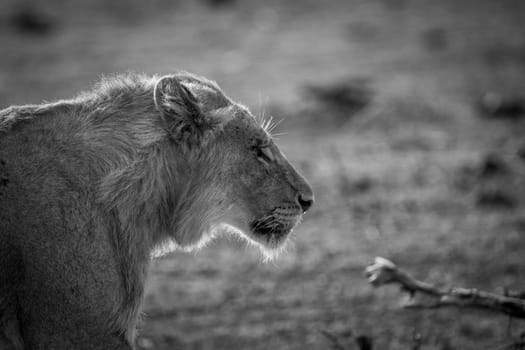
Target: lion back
{"x":49,"y":223}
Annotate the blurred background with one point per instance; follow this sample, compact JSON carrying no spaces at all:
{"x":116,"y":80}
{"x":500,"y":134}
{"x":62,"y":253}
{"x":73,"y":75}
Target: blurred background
{"x":407,"y":117}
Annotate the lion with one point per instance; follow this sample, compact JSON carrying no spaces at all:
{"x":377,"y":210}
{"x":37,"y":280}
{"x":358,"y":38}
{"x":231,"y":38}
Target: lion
{"x":92,"y":187}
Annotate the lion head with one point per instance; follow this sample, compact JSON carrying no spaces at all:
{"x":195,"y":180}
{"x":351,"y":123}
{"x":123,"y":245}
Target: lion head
{"x":236,"y":176}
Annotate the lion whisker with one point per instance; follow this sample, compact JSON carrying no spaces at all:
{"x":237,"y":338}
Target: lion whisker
{"x":274,"y":124}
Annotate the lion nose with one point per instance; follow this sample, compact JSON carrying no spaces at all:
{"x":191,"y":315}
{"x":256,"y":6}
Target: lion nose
{"x":305,"y":201}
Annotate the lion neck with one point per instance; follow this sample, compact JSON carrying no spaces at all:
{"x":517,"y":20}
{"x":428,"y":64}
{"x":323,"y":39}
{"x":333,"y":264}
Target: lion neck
{"x":157,"y":200}
{"x":153,"y":186}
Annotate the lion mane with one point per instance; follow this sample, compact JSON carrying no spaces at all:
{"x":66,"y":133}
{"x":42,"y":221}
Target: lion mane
{"x":90,"y":187}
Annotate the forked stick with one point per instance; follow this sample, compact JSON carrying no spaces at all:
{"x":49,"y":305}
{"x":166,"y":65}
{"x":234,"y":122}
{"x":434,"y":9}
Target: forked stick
{"x":383,"y":271}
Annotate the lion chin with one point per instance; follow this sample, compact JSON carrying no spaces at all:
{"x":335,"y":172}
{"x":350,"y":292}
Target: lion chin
{"x":270,"y":241}
{"x":272,"y":236}
{"x":272,"y":230}
{"x":268,"y":234}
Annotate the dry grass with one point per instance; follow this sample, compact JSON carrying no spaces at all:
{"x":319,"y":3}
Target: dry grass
{"x":404,"y":176}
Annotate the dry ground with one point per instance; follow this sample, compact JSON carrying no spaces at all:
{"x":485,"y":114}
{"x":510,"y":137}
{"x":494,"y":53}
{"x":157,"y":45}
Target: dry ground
{"x":409,"y":168}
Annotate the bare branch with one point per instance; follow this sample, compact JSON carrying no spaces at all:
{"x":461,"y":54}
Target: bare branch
{"x":384,"y":271}
{"x":514,"y":294}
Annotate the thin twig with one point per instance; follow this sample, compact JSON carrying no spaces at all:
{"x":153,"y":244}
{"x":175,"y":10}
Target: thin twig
{"x":384,"y":271}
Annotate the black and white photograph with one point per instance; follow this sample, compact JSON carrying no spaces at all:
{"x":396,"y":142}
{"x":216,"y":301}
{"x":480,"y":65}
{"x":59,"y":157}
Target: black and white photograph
{"x":255,"y":175}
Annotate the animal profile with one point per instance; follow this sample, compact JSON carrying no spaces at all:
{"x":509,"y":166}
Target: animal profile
{"x":92,"y":187}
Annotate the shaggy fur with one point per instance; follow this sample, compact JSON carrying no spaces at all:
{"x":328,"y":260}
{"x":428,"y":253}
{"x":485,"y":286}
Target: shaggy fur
{"x":91,"y":187}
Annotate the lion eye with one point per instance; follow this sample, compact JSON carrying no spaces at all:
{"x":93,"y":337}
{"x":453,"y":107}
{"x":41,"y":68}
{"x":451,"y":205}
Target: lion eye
{"x":263,"y":154}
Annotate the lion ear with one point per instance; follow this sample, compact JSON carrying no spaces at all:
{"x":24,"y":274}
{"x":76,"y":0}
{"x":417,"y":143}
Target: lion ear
{"x":179,"y":108}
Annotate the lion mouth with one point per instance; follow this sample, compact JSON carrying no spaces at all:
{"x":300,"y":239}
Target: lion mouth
{"x":272,"y":230}
{"x":266,"y":230}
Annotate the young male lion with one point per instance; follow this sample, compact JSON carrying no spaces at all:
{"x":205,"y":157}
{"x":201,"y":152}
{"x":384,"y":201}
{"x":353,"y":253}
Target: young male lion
{"x":90,"y":187}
